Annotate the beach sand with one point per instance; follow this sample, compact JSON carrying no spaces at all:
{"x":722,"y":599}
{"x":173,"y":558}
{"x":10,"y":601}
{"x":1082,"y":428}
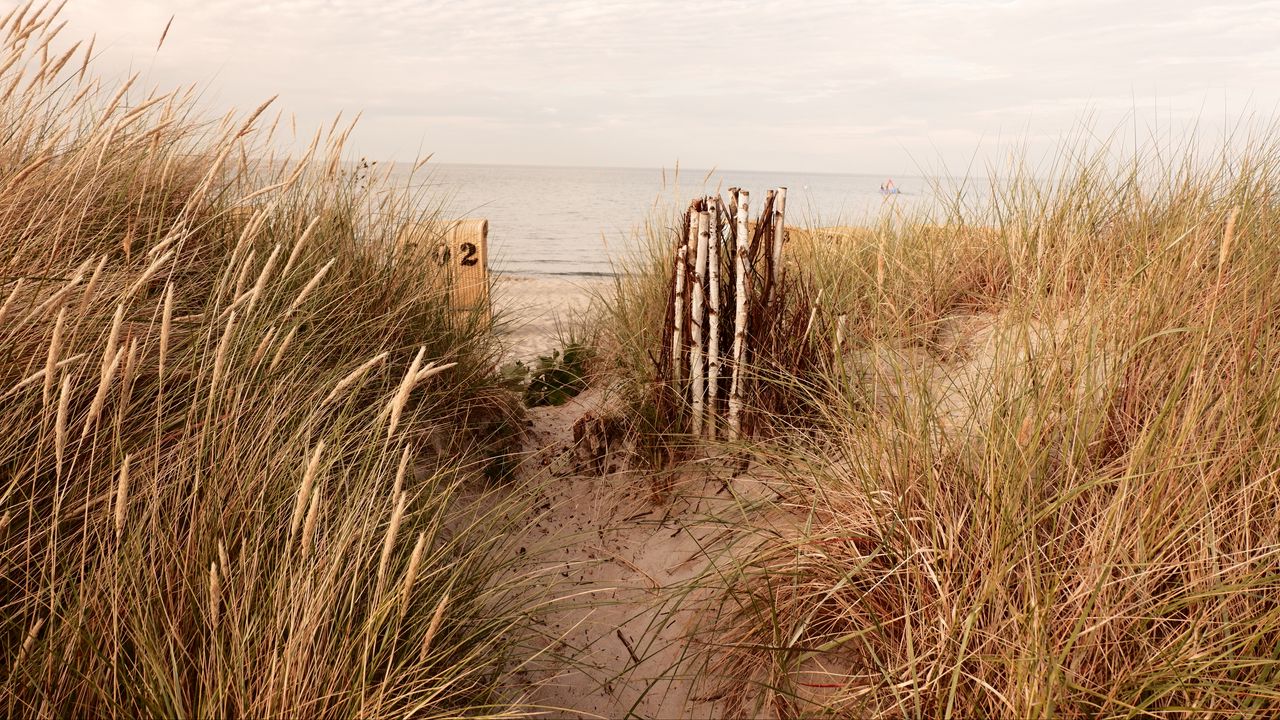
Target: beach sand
{"x":534,"y":312}
{"x":623,"y":564}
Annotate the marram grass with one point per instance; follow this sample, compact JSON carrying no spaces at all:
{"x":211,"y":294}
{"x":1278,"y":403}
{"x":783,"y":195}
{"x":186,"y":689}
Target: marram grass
{"x":233,"y":419}
{"x":1044,"y":480}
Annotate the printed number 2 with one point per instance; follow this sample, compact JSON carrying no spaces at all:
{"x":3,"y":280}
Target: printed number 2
{"x":469,"y":254}
{"x":469,"y":251}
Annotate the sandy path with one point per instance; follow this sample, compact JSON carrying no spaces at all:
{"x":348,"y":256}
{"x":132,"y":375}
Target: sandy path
{"x":622,"y":560}
{"x":616,"y":560}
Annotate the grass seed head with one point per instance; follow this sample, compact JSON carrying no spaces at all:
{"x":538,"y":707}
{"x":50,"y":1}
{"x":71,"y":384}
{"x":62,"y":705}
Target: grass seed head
{"x":402,"y":395}
{"x":311,"y":285}
{"x":309,"y":527}
{"x":60,"y":424}
{"x":166,"y":326}
{"x":436,"y":618}
{"x":220,"y":359}
{"x":388,"y":544}
{"x":353,"y":376}
{"x":304,"y":489}
{"x":283,"y":349}
{"x":215,"y":598}
{"x":411,"y":575}
{"x":104,"y":385}
{"x":122,"y":496}
{"x":51,"y":361}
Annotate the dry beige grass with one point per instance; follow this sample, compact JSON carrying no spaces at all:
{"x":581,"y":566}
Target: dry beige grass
{"x":196,"y":470}
{"x":1048,"y":472}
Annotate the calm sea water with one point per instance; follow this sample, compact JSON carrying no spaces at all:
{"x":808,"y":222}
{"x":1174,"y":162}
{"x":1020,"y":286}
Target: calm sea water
{"x":569,"y":222}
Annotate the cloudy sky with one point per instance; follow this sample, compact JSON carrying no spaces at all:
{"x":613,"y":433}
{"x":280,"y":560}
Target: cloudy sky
{"x":877,"y":87}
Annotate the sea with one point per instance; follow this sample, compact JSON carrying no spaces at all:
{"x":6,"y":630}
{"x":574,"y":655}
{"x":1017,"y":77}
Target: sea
{"x":574,"y":222}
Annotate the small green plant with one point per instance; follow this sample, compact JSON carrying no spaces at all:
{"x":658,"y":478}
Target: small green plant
{"x":558,"y":377}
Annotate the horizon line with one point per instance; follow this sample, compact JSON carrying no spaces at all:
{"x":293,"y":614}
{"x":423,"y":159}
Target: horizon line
{"x":657,"y":168}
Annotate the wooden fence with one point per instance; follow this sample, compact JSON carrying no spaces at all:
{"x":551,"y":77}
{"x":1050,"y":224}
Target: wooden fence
{"x":726,"y":300}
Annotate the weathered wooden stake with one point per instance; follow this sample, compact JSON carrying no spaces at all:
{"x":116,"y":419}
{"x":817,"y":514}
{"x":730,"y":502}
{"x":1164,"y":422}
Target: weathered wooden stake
{"x":740,"y":318}
{"x":713,"y":315}
{"x":779,"y":227}
{"x":696,"y":370}
{"x":677,"y":334}
{"x":766,"y":234}
{"x":813,"y":313}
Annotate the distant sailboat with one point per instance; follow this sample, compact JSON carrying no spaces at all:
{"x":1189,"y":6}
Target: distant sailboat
{"x":888,"y":188}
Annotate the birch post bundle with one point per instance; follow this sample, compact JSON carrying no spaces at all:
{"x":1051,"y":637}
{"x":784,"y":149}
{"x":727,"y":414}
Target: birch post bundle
{"x":723,"y":259}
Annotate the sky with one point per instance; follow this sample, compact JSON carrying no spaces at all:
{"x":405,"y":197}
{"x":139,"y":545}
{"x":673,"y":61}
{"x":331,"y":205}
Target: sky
{"x":896,"y":86}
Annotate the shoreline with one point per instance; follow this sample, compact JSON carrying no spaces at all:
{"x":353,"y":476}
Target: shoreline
{"x":533,"y":312}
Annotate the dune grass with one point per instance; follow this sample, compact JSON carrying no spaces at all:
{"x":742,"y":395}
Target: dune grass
{"x":1037,"y":476}
{"x":234,"y":418}
{"x":1048,"y":473}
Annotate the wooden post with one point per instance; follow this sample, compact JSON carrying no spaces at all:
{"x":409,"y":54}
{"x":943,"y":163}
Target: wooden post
{"x":468,"y":253}
{"x":740,"y":318}
{"x":696,"y":370}
{"x":779,"y":227}
{"x":461,"y":255}
{"x":813,"y":313}
{"x":763,"y":229}
{"x":677,"y":334}
{"x":713,"y":315}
